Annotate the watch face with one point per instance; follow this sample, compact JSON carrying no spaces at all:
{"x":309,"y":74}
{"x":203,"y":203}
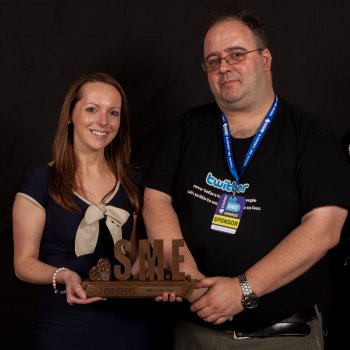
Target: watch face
{"x":251,"y":303}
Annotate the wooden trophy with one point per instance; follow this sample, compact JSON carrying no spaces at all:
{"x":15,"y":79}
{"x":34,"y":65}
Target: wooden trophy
{"x":152,"y":280}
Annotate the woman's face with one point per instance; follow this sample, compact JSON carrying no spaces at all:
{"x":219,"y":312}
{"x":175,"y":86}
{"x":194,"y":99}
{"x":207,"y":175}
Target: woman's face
{"x":96,"y":117}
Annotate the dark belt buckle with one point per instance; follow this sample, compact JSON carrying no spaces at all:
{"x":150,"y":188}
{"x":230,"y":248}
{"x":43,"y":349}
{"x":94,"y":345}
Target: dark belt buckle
{"x":234,"y":335}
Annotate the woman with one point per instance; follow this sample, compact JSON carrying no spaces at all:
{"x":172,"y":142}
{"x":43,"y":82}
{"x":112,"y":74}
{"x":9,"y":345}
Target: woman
{"x":53,"y":243}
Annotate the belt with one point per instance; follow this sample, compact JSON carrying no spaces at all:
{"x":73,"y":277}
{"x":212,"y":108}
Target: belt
{"x":295,"y":325}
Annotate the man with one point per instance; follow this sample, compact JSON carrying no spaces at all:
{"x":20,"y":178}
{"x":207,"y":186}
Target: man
{"x":257,"y":188}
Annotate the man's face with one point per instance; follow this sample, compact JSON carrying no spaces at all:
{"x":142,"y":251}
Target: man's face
{"x":242,"y":82}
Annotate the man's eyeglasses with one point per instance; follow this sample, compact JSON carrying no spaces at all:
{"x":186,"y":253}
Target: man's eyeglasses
{"x":233,"y":57}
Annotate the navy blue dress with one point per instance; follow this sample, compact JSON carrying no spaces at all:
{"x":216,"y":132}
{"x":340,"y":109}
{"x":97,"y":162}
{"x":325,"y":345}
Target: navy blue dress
{"x":112,"y":324}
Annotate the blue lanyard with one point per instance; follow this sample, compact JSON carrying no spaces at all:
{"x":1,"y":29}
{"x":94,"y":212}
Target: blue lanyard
{"x":253,"y":146}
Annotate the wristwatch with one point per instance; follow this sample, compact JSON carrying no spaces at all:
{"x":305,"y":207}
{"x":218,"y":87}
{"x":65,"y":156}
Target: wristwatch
{"x":249,"y":299}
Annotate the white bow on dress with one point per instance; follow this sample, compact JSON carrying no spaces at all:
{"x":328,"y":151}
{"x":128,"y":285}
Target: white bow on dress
{"x":87,"y":233}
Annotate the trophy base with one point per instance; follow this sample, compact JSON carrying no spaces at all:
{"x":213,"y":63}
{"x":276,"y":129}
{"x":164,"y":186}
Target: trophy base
{"x":138,"y":289}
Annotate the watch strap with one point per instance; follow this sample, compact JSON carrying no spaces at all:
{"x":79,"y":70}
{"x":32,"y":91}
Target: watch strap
{"x":249,"y":299}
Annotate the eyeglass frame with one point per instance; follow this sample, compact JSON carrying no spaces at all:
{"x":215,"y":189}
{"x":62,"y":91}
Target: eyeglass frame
{"x":244,"y":53}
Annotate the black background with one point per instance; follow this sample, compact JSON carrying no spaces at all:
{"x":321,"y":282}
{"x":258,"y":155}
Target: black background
{"x":154,"y":49}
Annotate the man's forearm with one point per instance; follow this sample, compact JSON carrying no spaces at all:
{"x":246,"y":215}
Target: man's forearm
{"x":162,"y":223}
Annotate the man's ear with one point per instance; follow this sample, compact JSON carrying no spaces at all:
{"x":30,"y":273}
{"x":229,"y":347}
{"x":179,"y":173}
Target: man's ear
{"x":267,"y":58}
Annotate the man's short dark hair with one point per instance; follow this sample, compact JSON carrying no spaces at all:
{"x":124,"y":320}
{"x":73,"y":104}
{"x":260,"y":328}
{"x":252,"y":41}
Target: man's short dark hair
{"x":247,"y":17}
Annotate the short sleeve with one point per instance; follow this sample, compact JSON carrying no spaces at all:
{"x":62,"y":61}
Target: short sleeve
{"x":323,"y":172}
{"x":35,"y":186}
{"x":161,"y":172}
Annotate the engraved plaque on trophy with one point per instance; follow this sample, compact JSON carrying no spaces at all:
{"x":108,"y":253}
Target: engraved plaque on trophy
{"x":152,"y":280}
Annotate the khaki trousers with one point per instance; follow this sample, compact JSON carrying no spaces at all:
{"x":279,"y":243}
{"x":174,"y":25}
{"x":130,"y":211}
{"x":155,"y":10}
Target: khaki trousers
{"x":190,"y":336}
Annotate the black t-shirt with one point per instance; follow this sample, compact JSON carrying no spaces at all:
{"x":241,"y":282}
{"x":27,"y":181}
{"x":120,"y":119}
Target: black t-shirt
{"x":298,"y":166}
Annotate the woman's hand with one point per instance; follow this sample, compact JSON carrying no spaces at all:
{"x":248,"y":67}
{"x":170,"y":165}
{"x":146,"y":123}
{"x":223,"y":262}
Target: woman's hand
{"x":74,"y":291}
{"x":168,"y":297}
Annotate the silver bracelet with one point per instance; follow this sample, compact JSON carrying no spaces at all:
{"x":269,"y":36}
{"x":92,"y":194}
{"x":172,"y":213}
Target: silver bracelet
{"x":54,"y":282}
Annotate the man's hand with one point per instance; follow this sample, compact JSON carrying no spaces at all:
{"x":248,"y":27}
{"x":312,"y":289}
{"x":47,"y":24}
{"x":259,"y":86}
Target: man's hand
{"x":222,"y":300}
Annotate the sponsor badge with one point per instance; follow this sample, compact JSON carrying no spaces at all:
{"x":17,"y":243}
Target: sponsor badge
{"x":228,"y":213}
